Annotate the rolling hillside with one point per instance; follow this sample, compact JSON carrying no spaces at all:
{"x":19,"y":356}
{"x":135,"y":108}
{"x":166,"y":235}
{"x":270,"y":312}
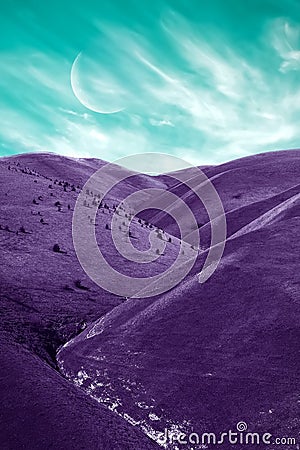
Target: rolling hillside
{"x":85,"y":368}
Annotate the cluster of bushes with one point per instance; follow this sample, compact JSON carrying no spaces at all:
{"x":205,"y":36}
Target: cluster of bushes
{"x":78,"y":284}
{"x":20,"y":230}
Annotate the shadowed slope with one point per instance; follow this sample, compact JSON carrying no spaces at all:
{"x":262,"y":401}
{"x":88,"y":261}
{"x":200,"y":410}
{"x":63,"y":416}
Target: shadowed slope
{"x":42,"y":308}
{"x":40,"y":409}
{"x":205,"y":356}
{"x":239,"y":183}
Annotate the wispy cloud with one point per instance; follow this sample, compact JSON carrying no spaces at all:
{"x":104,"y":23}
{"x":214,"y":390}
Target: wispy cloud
{"x":74,"y":113}
{"x":285,"y":37}
{"x":161,"y":123}
{"x":195,"y":94}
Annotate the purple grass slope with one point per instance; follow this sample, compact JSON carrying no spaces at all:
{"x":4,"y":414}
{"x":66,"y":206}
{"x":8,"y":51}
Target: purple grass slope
{"x":83,"y":368}
{"x":42,"y":307}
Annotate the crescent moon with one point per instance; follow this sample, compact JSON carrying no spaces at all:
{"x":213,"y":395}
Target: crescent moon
{"x":81,"y":95}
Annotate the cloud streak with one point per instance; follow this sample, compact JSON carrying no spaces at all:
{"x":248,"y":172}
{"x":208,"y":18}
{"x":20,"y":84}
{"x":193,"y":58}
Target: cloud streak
{"x":186,"y":89}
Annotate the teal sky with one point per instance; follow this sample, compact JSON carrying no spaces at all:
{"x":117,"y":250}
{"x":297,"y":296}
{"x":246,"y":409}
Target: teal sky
{"x":208,"y":81}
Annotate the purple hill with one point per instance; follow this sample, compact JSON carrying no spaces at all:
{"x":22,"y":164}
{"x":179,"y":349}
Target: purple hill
{"x":83,"y":368}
